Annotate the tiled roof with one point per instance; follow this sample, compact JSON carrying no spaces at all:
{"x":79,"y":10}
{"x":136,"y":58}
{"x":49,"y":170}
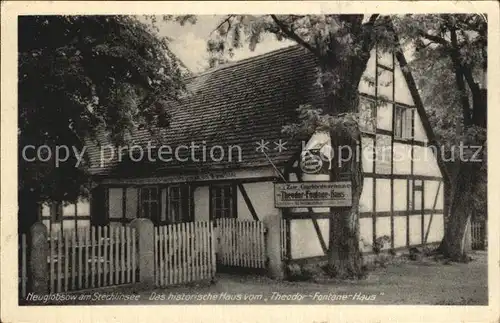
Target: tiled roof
{"x":239,"y":104}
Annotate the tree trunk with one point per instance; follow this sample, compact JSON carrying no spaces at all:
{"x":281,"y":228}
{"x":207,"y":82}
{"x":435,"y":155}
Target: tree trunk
{"x":344,"y":256}
{"x":27,"y":210}
{"x":454,"y":244}
{"x":455,"y":241}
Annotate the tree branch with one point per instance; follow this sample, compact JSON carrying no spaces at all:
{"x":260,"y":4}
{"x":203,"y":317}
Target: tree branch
{"x":459,"y":78}
{"x":433,"y":38}
{"x":228,"y":20}
{"x":474,"y":87}
{"x":295,"y":37}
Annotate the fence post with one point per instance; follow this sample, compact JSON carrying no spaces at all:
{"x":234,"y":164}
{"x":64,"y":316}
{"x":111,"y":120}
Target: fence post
{"x":38,"y":251}
{"x":275,"y":268}
{"x":145,"y":247}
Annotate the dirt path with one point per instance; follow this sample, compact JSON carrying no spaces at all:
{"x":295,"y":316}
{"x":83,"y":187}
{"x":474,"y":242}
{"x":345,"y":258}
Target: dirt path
{"x":424,"y":282}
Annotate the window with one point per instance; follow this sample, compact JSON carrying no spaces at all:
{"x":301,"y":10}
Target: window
{"x":179,"y":204}
{"x":403,"y":122}
{"x":367,"y":114}
{"x":115,"y":203}
{"x":222,"y":201}
{"x":150,"y":203}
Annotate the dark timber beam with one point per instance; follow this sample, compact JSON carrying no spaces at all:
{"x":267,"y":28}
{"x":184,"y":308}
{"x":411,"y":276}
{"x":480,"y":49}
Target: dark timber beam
{"x":248,"y":202}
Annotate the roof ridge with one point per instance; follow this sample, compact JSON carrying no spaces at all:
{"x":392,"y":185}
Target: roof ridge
{"x":244,"y":61}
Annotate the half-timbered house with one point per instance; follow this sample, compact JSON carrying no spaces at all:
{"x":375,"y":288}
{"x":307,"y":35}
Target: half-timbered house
{"x":234,"y":116}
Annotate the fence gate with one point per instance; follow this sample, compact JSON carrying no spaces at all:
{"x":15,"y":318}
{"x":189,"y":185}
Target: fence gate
{"x":240,"y":243}
{"x":91,"y":258}
{"x":184,"y":252}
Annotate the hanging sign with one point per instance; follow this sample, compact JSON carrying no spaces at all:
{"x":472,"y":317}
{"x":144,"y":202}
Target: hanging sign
{"x":313,"y":194}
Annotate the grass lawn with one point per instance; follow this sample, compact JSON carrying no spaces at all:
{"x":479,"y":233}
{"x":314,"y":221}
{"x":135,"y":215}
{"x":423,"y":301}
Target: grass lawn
{"x":423,"y":282}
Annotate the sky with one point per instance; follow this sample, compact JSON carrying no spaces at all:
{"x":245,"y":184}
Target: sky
{"x":190,"y":41}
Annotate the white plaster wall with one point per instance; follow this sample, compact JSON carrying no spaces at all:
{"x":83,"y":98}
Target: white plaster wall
{"x":83,"y":208}
{"x":201,"y":198}
{"x":399,"y":231}
{"x":366,"y":234}
{"x":384,"y":117}
{"x":430,"y":191}
{"x":400,"y":195}
{"x":401,"y":91}
{"x":385,"y":58}
{"x":383,"y":228}
{"x":366,"y":199}
{"x":384,"y":84}
{"x":383,"y":152}
{"x":46,"y":223}
{"x":436,"y":232}
{"x":425,"y":162}
{"x":417,"y":202}
{"x":68,"y":225}
{"x":419,"y":134}
{"x":367,"y":154}
{"x":364,"y":85}
{"x":415,"y":229}
{"x":402,"y":158}
{"x":69,"y":209}
{"x":55,"y":229}
{"x":383,"y":195}
{"x":366,"y":120}
{"x":304,"y":240}
{"x":45,"y":209}
{"x":262,"y":198}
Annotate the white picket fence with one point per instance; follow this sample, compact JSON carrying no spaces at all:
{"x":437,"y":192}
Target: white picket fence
{"x":96,"y":257}
{"x":101,"y":256}
{"x":241,"y":243}
{"x":478,"y":235}
{"x":184,"y":252}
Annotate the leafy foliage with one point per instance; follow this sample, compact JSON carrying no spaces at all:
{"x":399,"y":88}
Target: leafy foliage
{"x":341,"y":43}
{"x":81,"y":76}
{"x":313,"y":120}
{"x":449,"y":64}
